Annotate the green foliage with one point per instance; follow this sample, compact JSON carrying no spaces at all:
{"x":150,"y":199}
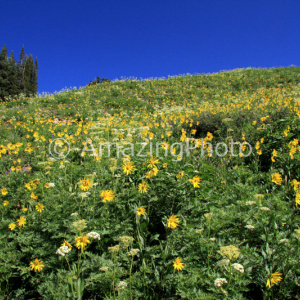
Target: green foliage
{"x":235,"y":230}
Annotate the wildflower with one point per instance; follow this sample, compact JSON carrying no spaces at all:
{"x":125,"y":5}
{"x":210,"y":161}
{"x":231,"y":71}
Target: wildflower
{"x":153,"y":162}
{"x":25,"y":209}
{"x":220,"y":281}
{"x":128,"y":167}
{"x":297,"y":199}
{"x":223,"y":262}
{"x":33,"y":197}
{"x":180,"y":175}
{"x":140,"y":211}
{"x":249,"y":227}
{"x":79,"y":225}
{"x":134,"y":252}
{"x":143,"y":187}
{"x":22,"y":221}
{"x":39,"y":207}
{"x":173,"y":222}
{"x":85,"y":184}
{"x":12,"y":226}
{"x":265,"y":208}
{"x":62,"y":250}
{"x":238,"y":267}
{"x":126,"y":240}
{"x":65,"y":243}
{"x":94,"y":235}
{"x":274,"y":279}
{"x":165,"y":165}
{"x":230,"y":252}
{"x":4,"y":192}
{"x":276,"y":178}
{"x":5,"y":202}
{"x":59,"y":252}
{"x":36,"y":265}
{"x":81,"y":242}
{"x":48,"y":185}
{"x":208,"y":216}
{"x":121,"y":285}
{"x":178,"y":265}
{"x":195,"y":181}
{"x":250,"y":202}
{"x":107,"y":195}
{"x":114,"y":249}
{"x":274,"y":154}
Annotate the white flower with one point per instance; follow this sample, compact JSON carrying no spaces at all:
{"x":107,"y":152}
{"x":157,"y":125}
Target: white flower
{"x":249,"y":227}
{"x":264,"y":208}
{"x":74,"y":214}
{"x":64,"y":249}
{"x":213,"y":239}
{"x":223,"y":262}
{"x":51,"y":184}
{"x":94,"y":235}
{"x":122,"y":285}
{"x":238,"y":267}
{"x":220,"y":281}
{"x":250,"y":202}
{"x":59,"y":252}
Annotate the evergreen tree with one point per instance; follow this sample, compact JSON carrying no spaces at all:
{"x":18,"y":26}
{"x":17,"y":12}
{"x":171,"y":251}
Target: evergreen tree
{"x":35,"y":77}
{"x":13,"y":76}
{"x":21,"y":67}
{"x":28,"y":76}
{"x":4,"y":73}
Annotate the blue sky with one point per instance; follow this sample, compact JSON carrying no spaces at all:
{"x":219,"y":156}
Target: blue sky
{"x":75,"y":41}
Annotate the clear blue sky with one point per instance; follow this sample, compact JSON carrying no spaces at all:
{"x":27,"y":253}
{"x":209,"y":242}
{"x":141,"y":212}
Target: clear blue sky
{"x":75,"y":41}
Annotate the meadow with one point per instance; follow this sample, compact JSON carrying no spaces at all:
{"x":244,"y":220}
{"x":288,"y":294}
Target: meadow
{"x":178,"y":221}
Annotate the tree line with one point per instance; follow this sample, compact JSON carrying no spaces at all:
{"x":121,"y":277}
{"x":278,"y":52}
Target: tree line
{"x":17,"y":77}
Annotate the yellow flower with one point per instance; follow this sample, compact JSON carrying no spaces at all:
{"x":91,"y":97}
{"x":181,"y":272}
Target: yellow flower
{"x":33,"y":197}
{"x":276,"y":178}
{"x":12,"y":226}
{"x":153,"y":162}
{"x":36,"y":265}
{"x":4,"y":192}
{"x":143,"y":187}
{"x":180,"y":175}
{"x":107,"y":195}
{"x":22,"y":221}
{"x":85,"y":184}
{"x":5,"y":203}
{"x":24,"y":209}
{"x":140,"y":211}
{"x":173,"y":222}
{"x":39,"y":207}
{"x":297,"y":199}
{"x":195,"y":181}
{"x":274,"y":279}
{"x":81,"y":241}
{"x":178,"y":265}
{"x":165,"y":165}
{"x":128,"y":167}
{"x":209,"y":136}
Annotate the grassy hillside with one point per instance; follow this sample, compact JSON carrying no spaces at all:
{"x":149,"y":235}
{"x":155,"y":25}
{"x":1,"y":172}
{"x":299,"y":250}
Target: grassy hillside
{"x":125,"y":190}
